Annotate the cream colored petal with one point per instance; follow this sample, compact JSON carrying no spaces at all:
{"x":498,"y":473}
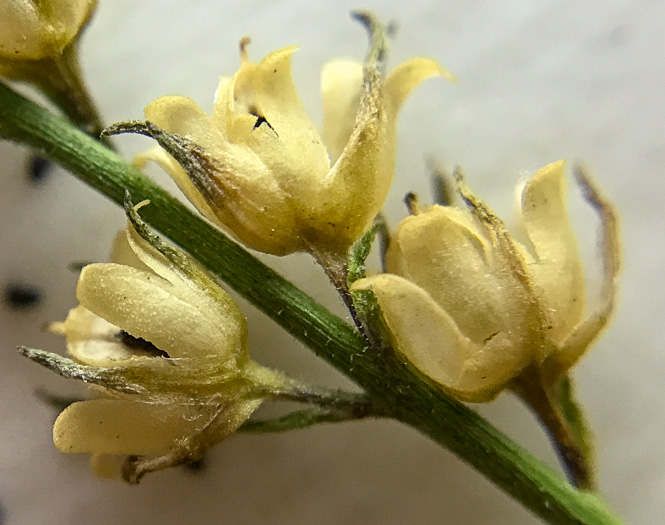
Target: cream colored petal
{"x":147,"y":306}
{"x":355,"y":189}
{"x":242,"y":194}
{"x":182,"y":116}
{"x":159,"y":156}
{"x":33,"y":30}
{"x":558,"y":272}
{"x":223,"y":109}
{"x":443,"y":251}
{"x":402,"y":80}
{"x":279,"y":130}
{"x":341,"y":87}
{"x":259,"y":212}
{"x":430,"y":339}
{"x":111,"y":426}
{"x":521,"y":309}
{"x":247,"y":199}
{"x":190,"y":283}
{"x":358,"y":183}
{"x":588,"y":328}
{"x":122,"y":253}
{"x":360,"y":179}
{"x":251,"y":202}
{"x":424,"y":333}
{"x":94,"y":341}
{"x":224,"y":420}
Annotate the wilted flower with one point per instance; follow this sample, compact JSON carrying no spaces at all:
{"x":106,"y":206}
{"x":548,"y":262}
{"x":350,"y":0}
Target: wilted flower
{"x":258,"y":166}
{"x":166,"y":349}
{"x":471,"y":307}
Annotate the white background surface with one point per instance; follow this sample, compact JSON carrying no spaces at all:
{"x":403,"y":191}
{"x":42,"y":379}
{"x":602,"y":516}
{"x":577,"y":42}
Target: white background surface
{"x":539,"y":81}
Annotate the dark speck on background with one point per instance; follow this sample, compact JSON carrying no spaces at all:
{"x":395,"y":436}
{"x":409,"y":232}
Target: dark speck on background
{"x":2,"y":513}
{"x":39,"y":169}
{"x":196,"y":466}
{"x":21,"y":295}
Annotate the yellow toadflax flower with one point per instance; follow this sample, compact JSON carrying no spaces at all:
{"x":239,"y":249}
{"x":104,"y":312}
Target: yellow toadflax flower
{"x":472,"y":308}
{"x":258,"y":166}
{"x":166,"y":349}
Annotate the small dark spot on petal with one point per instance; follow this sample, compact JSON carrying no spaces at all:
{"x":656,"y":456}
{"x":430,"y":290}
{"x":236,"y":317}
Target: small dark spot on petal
{"x":21,"y":295}
{"x":39,"y":169}
{"x":491,"y":336}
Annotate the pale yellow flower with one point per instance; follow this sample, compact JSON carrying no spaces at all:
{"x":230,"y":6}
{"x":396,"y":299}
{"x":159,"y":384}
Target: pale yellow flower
{"x":259,"y":167}
{"x":39,"y":44}
{"x":166,"y":349}
{"x":471,"y":307}
{"x":35,"y":30}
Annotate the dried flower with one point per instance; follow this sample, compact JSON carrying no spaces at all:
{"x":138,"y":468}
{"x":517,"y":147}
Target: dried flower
{"x":166,"y":349}
{"x":471,"y":307}
{"x":258,"y":166}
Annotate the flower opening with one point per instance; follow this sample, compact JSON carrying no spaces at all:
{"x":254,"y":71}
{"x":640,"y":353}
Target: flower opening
{"x":258,"y":166}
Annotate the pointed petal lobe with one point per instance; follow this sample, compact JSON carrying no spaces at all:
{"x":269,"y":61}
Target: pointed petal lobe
{"x":341,"y":87}
{"x":147,"y":306}
{"x":558,"y":272}
{"x":402,"y":80}
{"x":112,"y":426}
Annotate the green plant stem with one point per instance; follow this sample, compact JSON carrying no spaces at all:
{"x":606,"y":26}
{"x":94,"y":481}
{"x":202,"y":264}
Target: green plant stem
{"x":327,"y":398}
{"x":411,"y":398}
{"x":300,"y":419}
{"x":61,"y":80}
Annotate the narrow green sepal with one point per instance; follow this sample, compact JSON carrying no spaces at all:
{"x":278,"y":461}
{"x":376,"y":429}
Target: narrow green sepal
{"x":358,"y":254}
{"x":573,"y":413}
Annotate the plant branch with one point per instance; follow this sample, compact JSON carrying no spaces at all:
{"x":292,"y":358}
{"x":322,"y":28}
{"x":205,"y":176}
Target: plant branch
{"x":360,"y":405}
{"x":300,"y":419}
{"x":542,"y":401}
{"x":412,"y":398}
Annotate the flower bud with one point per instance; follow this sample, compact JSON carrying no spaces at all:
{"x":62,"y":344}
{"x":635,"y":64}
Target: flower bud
{"x":36,"y":30}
